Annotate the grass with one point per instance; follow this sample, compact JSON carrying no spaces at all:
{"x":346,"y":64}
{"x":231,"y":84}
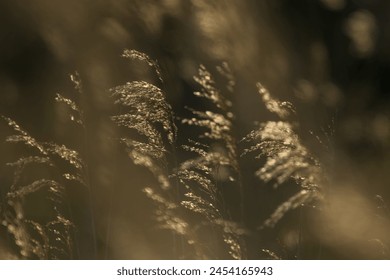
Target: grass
{"x":203,"y":196}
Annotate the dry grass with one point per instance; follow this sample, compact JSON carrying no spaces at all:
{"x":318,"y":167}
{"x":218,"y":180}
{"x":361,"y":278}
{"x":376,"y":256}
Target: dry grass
{"x":199,"y":192}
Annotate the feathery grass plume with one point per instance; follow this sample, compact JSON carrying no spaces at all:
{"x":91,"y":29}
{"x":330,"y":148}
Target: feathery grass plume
{"x":72,"y":157}
{"x":150,"y":121}
{"x":282,"y":109}
{"x":202,"y":175}
{"x":133,"y":54}
{"x":53,"y":238}
{"x":218,"y":125}
{"x":75,"y":112}
{"x":169,"y":215}
{"x":286,"y":157}
{"x":79,"y":172}
{"x":34,"y":239}
{"x":150,"y":116}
